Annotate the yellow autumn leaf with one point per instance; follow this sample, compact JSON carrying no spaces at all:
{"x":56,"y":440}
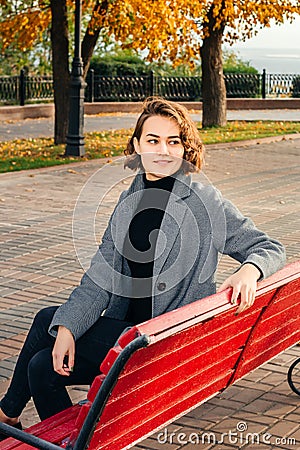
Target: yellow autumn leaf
{"x":167,"y":30}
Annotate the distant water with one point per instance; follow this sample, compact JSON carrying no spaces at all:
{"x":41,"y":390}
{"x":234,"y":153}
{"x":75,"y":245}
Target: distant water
{"x":274,"y":60}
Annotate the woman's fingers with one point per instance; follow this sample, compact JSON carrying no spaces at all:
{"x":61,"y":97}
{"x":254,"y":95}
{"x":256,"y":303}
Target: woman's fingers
{"x":243,"y":284}
{"x":63,"y":353}
{"x":71,"y":360}
{"x":59,"y":365}
{"x":235,"y":294}
{"x":247,"y":298}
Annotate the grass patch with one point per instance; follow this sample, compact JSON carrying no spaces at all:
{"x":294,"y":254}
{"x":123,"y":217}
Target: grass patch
{"x":241,"y":131}
{"x":25,"y":154}
{"x":34,"y":153}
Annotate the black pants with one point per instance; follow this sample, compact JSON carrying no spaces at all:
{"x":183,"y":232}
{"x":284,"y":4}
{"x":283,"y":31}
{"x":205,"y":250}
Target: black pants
{"x":34,"y":375}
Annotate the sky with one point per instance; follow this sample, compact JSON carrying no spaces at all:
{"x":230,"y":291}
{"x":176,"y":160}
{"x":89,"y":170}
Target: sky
{"x":275,"y":49}
{"x":286,"y":35}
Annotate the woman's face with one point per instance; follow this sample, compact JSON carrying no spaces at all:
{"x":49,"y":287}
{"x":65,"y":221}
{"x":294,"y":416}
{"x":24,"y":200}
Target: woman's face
{"x":160,"y":147}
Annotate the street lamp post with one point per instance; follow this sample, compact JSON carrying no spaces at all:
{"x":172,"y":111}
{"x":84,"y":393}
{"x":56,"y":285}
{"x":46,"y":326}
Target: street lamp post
{"x":75,"y":138}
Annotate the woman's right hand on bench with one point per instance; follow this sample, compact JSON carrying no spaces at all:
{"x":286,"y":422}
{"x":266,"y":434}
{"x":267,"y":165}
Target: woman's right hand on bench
{"x":63,"y":353}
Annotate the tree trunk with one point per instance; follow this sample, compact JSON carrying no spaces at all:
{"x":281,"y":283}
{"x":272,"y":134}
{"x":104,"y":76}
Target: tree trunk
{"x":60,"y":67}
{"x":213,"y":84}
{"x":87,"y":48}
{"x":90,"y":39}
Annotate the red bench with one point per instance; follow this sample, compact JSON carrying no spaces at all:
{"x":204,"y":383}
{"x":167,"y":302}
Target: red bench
{"x":165,"y":367}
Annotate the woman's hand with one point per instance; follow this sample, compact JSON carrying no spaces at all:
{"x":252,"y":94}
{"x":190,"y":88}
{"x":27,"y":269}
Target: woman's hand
{"x":243,"y":282}
{"x":63,"y":353}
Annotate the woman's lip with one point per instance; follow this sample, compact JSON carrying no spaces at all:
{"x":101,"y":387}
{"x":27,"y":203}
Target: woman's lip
{"x":162,"y":161}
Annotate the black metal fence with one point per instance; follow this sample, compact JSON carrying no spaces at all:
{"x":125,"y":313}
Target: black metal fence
{"x":118,"y":88}
{"x":21,"y":89}
{"x":283,"y":85}
{"x":38,"y":88}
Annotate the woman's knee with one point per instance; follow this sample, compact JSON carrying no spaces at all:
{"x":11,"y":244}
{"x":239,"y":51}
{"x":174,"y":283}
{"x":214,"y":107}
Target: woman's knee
{"x":40,"y":370}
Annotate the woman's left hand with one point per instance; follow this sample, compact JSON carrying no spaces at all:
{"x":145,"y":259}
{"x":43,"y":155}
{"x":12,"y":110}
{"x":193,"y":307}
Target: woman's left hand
{"x":243,"y":282}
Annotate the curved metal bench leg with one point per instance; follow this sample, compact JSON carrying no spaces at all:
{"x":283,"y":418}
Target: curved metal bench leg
{"x":289,"y":377}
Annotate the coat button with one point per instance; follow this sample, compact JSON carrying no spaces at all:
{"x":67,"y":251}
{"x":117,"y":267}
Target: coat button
{"x":161,"y":286}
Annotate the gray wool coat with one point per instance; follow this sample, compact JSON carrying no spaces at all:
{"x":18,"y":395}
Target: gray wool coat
{"x":198,"y":226}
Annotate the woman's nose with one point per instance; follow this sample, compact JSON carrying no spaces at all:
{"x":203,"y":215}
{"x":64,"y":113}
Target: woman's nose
{"x":163,"y":150}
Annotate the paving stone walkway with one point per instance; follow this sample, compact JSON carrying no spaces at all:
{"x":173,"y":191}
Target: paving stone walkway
{"x":40,"y":267}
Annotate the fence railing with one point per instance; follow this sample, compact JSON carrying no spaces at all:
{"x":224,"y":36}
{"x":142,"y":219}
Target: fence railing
{"x":39,"y":88}
{"x":119,"y":88}
{"x":286,"y":85}
{"x":21,"y":89}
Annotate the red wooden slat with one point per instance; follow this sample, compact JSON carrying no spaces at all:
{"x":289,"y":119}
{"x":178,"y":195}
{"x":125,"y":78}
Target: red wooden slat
{"x":95,"y":387}
{"x":223,"y":323}
{"x":181,"y":347}
{"x":287,"y":274}
{"x":175,"y":365}
{"x":269,"y":353}
{"x":270,"y":340}
{"x":158,"y":422}
{"x":280,"y":300}
{"x":275,"y":323}
{"x":161,"y":383}
{"x":129,"y":336}
{"x":84,"y":410}
{"x":227,"y":323}
{"x":281,"y":310}
{"x":54,"y":430}
{"x":272,"y":335}
{"x":110,"y":359}
{"x":164,"y":405}
{"x":293,"y":288}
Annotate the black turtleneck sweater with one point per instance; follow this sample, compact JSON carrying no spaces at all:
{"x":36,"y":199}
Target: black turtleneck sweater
{"x":140,"y":243}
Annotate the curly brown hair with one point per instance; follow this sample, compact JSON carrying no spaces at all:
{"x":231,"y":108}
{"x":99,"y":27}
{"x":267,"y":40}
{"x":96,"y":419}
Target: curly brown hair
{"x":192,"y":144}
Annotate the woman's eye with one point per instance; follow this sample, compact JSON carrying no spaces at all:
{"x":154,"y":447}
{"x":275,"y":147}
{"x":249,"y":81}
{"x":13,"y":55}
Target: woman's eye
{"x":175,"y":142}
{"x":153,"y":141}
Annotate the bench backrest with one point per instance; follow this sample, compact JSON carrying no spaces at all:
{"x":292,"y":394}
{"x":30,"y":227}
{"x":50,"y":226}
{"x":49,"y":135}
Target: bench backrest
{"x":184,"y":357}
{"x":165,"y":367}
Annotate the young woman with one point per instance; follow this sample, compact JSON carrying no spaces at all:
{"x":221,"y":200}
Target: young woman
{"x":158,"y":253}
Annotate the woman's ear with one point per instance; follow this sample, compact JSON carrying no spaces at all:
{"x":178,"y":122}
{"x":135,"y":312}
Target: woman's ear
{"x":136,"y":146}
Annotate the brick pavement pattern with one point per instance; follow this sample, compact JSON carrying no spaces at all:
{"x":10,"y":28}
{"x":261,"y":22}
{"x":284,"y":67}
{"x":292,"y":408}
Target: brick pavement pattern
{"x":40,"y":265}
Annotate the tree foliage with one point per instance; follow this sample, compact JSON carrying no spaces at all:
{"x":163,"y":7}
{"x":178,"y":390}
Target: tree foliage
{"x":175,"y":30}
{"x":24,"y":39}
{"x":23,"y":23}
{"x":164,"y":30}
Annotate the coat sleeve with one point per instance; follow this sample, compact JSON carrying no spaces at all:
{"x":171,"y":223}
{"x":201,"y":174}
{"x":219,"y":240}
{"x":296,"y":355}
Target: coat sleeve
{"x":89,"y":300}
{"x":247,"y":244}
